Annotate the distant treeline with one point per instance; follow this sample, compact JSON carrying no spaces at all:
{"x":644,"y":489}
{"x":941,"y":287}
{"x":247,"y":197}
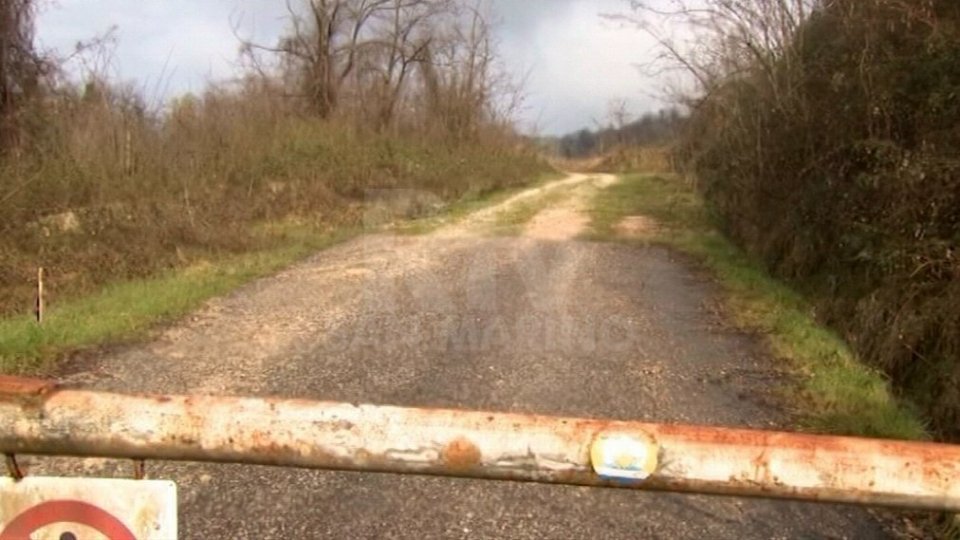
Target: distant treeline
{"x":651,"y":129}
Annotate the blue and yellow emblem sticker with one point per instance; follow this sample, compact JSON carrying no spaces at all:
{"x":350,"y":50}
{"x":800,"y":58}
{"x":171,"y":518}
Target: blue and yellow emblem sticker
{"x":630,"y":457}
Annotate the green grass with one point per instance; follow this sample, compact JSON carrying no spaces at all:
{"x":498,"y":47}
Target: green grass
{"x":836,"y":393}
{"x":467,"y":205}
{"x":125,"y":311}
{"x":511,"y":221}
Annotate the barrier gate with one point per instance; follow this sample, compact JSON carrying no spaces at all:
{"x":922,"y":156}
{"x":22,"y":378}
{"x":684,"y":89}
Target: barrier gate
{"x":41,"y":418}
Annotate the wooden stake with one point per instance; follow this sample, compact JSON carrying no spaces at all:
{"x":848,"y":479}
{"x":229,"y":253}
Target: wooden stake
{"x":38,"y":309}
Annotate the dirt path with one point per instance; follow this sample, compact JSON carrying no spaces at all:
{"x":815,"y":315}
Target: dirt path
{"x":569,"y":219}
{"x":538,"y":323}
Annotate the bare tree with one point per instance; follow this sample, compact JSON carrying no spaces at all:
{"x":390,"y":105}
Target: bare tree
{"x":332,"y":43}
{"x":406,"y":37}
{"x":20,"y":66}
{"x":314,"y":46}
{"x":458,"y":73}
{"x":359,"y":57}
{"x":618,"y":112}
{"x":714,"y":39}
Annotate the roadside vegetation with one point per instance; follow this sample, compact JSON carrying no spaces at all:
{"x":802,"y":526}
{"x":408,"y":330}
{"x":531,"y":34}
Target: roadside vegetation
{"x":836,"y":392}
{"x":126,"y":310}
{"x":511,"y":220}
{"x":138,"y":212}
{"x":823,"y":135}
{"x":463,"y":207}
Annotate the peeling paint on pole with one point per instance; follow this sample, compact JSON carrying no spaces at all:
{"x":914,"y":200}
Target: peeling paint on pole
{"x":339,"y":436}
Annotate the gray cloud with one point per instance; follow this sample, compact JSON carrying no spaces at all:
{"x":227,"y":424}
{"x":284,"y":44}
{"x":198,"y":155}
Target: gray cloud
{"x":166,"y":47}
{"x":575,"y":62}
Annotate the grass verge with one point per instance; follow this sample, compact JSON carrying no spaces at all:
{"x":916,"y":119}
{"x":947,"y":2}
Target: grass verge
{"x":467,"y":205}
{"x":125,"y":311}
{"x":836,"y":393}
{"x":510,"y":221}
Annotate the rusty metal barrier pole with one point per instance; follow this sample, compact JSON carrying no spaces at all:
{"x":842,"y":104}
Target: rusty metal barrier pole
{"x":39,"y":418}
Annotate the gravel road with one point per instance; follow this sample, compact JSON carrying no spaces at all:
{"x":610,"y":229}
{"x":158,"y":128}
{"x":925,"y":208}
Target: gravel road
{"x":539,"y":323}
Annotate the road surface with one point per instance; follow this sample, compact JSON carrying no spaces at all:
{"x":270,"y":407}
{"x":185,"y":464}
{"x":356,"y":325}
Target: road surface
{"x":538,"y":322}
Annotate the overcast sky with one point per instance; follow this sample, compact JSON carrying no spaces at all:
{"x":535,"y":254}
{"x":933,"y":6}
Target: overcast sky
{"x":575,"y":61}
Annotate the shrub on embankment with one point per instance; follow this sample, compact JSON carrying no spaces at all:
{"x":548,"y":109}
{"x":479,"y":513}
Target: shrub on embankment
{"x":101,"y":193}
{"x":827,"y":142}
{"x":97,"y":187}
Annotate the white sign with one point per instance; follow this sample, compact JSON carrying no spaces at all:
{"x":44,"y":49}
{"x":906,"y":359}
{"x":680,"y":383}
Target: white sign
{"x":38,"y":508}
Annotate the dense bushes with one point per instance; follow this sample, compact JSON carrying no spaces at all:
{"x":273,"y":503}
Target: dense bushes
{"x":833,"y":155}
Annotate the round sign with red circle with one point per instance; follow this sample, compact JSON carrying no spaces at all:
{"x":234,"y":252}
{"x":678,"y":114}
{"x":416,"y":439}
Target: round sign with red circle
{"x":65,"y":513}
{"x":87,"y":508}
